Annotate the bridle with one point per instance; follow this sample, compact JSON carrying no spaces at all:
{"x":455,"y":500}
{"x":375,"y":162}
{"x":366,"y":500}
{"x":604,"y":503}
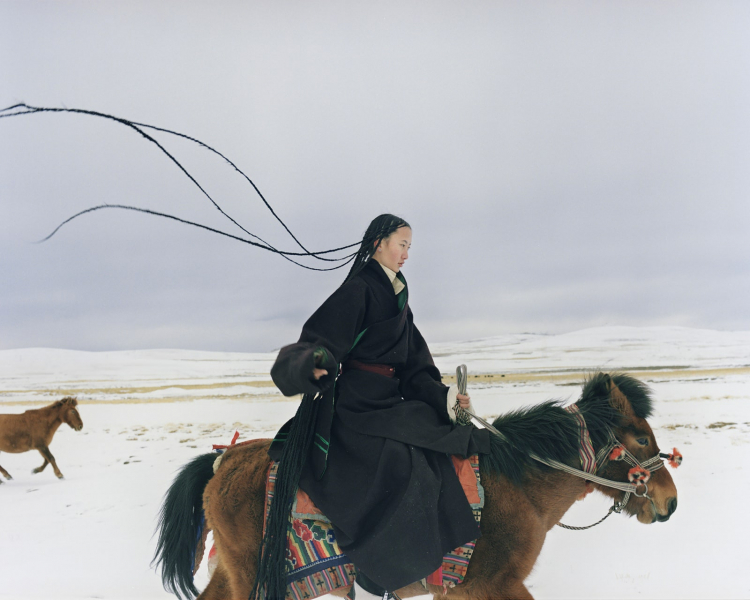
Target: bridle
{"x":639,"y":475}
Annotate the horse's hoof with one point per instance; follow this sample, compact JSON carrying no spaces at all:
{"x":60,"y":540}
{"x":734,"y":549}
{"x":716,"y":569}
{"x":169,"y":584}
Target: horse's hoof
{"x":60,"y":476}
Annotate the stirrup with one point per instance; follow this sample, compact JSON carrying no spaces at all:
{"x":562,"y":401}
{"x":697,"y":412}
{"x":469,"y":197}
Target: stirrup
{"x":359,"y":593}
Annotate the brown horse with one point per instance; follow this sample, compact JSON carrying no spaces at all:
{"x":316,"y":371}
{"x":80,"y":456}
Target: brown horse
{"x":34,"y":429}
{"x":524,"y":499}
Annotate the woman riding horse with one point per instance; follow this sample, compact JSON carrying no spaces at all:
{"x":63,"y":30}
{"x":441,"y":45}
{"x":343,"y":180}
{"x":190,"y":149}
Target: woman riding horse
{"x":371,"y":442}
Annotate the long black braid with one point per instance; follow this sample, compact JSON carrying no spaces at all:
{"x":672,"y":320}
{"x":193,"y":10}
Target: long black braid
{"x":271,"y":577}
{"x":25,"y":109}
{"x":270,"y":581}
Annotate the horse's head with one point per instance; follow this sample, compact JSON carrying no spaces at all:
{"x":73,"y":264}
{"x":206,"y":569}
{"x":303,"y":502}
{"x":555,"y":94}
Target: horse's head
{"x":69,"y":413}
{"x":635,"y":456}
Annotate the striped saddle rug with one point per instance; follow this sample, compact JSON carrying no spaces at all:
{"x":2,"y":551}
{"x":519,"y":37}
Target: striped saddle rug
{"x":316,"y":566}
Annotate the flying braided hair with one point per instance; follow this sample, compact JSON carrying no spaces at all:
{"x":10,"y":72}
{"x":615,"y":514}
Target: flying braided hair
{"x":249,"y":238}
{"x":270,"y":581}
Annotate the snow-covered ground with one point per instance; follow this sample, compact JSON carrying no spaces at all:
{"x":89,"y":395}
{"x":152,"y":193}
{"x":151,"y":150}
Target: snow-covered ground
{"x":146,"y":413}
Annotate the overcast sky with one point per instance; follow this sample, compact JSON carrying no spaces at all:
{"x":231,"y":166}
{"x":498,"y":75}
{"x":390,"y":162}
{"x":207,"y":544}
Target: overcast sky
{"x":563,"y":164}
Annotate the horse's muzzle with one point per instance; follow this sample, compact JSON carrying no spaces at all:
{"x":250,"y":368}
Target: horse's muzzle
{"x":671,"y":507}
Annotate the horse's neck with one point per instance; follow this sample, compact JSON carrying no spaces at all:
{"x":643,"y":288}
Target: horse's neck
{"x":51,"y":418}
{"x":553,"y":493}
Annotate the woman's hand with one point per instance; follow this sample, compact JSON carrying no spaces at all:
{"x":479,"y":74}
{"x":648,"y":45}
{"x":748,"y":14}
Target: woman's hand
{"x":319,"y":356}
{"x":464,"y":401}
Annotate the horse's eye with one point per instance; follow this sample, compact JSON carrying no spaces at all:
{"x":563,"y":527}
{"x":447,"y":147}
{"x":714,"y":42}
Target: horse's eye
{"x":642,"y":441}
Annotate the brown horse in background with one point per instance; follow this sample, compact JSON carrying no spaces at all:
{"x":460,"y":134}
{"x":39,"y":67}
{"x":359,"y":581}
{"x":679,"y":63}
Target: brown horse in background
{"x":34,"y":429}
{"x":523,"y":498}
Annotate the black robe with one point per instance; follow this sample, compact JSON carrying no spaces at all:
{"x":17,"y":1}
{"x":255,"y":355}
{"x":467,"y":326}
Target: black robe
{"x":380,"y":466}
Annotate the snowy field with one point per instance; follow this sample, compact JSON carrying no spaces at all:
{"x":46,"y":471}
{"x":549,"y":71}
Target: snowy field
{"x":146,"y":413}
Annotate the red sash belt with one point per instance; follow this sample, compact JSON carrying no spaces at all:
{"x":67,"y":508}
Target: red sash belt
{"x":386,"y":370}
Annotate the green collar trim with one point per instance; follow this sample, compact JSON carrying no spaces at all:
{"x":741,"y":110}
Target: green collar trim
{"x":403,"y":295}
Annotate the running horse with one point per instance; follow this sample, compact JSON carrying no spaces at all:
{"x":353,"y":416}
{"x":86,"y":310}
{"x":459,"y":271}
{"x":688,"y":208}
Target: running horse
{"x":34,"y":429}
{"x":531,"y":478}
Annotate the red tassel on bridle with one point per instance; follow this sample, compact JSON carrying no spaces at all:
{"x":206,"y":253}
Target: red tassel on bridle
{"x":618,"y":453}
{"x":675,"y":459}
{"x":639,"y":475}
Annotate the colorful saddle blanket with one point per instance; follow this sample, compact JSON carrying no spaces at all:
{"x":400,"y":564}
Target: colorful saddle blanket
{"x":316,"y":566}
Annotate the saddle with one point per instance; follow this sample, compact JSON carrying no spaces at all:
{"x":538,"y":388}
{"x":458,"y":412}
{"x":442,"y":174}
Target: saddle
{"x":315,"y":564}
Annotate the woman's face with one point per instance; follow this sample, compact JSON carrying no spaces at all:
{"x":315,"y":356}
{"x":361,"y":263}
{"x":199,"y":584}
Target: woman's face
{"x":394,"y":250}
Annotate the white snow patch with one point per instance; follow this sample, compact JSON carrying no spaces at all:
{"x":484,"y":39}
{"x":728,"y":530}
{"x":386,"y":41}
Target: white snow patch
{"x":90,"y":535}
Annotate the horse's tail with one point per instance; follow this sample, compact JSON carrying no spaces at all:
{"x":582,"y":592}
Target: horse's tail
{"x":181,"y":524}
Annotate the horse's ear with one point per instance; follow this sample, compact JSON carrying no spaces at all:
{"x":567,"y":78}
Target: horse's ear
{"x":600,"y":385}
{"x":74,"y":401}
{"x":619,"y":401}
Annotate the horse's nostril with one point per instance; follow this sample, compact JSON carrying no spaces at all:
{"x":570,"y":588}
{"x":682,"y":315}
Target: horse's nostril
{"x":672,"y":505}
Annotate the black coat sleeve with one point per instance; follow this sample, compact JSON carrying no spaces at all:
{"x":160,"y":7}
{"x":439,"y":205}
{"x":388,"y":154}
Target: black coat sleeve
{"x":331,"y":330}
{"x":420,"y":378}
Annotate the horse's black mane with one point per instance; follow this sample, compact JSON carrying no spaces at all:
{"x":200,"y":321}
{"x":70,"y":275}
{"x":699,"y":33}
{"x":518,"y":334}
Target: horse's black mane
{"x":59,"y":403}
{"x":551,"y":432}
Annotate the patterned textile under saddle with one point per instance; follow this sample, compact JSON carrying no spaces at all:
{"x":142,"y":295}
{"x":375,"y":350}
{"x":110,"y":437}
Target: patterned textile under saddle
{"x":316,"y":566}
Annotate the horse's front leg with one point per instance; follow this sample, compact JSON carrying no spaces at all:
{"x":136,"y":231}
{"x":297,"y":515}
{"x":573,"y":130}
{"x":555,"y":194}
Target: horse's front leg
{"x":5,"y":474}
{"x":40,"y":469}
{"x":218,"y":586}
{"x":48,"y":458}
